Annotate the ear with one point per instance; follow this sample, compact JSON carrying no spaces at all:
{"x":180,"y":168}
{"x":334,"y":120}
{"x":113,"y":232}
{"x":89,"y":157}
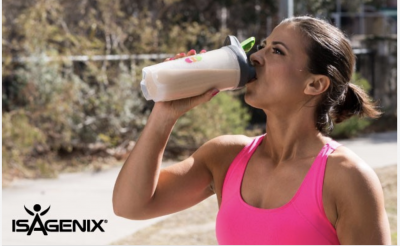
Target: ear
{"x":317,"y":85}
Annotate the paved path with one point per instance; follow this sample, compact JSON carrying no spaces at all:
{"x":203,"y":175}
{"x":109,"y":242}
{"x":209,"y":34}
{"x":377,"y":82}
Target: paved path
{"x":76,"y":196}
{"x":377,"y":150}
{"x":80,"y":196}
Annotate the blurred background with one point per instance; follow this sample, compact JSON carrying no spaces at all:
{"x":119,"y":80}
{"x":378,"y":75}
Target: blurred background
{"x":71,"y":72}
{"x":71,"y":99}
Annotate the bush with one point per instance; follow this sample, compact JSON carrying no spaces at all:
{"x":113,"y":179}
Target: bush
{"x":350,"y":128}
{"x":73,"y":106}
{"x":48,"y":95}
{"x":21,"y":141}
{"x":224,"y":114}
{"x":73,"y":112}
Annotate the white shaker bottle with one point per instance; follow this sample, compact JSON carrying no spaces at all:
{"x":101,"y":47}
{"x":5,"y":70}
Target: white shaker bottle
{"x":226,"y":68}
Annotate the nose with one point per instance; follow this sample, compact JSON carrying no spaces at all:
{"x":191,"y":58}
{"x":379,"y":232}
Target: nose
{"x":256,"y":59}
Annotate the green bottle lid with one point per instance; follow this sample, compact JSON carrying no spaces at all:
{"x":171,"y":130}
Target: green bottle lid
{"x":248,"y":44}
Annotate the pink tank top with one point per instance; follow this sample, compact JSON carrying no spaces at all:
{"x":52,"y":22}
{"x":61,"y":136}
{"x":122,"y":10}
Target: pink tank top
{"x":301,"y":221}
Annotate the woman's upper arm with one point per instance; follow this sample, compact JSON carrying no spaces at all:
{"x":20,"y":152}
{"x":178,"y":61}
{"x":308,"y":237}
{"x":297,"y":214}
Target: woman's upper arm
{"x":360,"y":206}
{"x":188,"y":182}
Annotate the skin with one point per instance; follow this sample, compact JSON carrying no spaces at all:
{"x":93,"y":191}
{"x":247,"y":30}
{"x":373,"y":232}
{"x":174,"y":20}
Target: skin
{"x":288,"y":93}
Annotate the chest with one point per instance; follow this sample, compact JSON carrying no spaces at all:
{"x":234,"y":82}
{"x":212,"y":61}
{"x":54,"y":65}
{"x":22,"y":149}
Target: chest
{"x":267,"y":189}
{"x":265,"y":185}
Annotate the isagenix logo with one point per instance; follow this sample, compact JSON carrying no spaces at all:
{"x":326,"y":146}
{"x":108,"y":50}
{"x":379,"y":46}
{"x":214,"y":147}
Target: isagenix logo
{"x":52,"y":225}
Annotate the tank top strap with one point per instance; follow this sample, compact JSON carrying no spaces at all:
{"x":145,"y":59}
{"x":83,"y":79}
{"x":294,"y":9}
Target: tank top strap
{"x":320,"y":171}
{"x":233,"y":177}
{"x":334,"y":145}
{"x":310,"y":197}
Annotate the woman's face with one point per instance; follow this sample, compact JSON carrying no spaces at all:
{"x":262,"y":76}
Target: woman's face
{"x":281,"y":67}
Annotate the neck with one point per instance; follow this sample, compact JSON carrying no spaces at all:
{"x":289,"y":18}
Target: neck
{"x":291,"y":137}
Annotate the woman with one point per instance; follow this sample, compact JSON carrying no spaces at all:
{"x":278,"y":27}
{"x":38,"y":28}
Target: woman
{"x":293,"y":185}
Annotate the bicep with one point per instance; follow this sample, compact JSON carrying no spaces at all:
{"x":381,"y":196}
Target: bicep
{"x":362,"y":217}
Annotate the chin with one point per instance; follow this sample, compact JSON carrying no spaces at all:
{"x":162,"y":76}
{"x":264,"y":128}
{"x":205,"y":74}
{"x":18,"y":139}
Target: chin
{"x":249,"y":99}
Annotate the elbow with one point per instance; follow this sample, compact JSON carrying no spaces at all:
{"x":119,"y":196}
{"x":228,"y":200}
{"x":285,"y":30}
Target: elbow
{"x":119,"y":205}
{"x":128,"y":212}
{"x":118,"y":211}
{"x":117,"y":208}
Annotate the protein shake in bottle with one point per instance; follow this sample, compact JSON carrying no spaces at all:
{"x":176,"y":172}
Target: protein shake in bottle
{"x":226,"y":68}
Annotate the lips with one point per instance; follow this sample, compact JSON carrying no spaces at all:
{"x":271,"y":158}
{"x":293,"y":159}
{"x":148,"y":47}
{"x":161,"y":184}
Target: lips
{"x":253,"y":79}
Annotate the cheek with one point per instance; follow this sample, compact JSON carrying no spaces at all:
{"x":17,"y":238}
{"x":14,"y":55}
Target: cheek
{"x":261,"y":93}
{"x":279,"y":74}
{"x":283,"y":79}
{"x":276,"y":86}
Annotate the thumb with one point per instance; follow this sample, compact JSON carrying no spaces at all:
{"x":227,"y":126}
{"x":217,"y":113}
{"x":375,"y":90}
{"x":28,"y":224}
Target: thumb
{"x":204,"y":97}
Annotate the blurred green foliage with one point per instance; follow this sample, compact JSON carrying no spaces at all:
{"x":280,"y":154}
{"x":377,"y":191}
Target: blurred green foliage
{"x":19,"y":136}
{"x":224,"y":114}
{"x":58,"y":108}
{"x":21,"y":141}
{"x":62,"y":107}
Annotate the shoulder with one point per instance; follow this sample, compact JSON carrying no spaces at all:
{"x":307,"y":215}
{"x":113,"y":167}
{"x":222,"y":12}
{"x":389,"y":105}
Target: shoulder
{"x":221,"y":151}
{"x":218,"y":154}
{"x":227,"y":141}
{"x":346,"y":165}
{"x":350,"y":178}
{"x":356,"y":192}
{"x":219,"y":146}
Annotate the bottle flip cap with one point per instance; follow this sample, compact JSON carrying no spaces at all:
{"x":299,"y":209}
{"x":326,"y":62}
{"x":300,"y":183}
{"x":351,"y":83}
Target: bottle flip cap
{"x":248,"y":44}
{"x":247,"y":71}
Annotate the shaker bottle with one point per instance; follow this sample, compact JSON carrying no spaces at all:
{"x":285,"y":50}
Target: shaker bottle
{"x":226,"y":68}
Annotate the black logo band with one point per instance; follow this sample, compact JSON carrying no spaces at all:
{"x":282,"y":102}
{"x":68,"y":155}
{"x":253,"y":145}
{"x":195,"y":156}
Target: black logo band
{"x":51,"y":225}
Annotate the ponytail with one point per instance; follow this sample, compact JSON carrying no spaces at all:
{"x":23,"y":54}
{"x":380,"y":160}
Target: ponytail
{"x":353,"y":102}
{"x":356,"y":102}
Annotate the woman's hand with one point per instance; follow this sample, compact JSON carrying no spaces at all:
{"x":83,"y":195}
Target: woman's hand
{"x":177,"y":108}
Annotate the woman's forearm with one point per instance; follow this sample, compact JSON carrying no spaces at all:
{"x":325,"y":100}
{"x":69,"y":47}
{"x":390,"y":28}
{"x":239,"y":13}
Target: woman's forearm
{"x":137,"y":180}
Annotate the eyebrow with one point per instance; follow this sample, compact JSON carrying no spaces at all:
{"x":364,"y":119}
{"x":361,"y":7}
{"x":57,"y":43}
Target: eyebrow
{"x":264,"y":43}
{"x":281,"y":43}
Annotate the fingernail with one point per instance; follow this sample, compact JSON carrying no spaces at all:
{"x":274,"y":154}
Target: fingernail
{"x":203,"y":51}
{"x":215,"y":92}
{"x":182,"y":54}
{"x":171,"y":59}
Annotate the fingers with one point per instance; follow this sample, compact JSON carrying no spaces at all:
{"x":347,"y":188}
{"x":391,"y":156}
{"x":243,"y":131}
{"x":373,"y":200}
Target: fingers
{"x":191,"y":52}
{"x":179,"y":55}
{"x":203,"y":97}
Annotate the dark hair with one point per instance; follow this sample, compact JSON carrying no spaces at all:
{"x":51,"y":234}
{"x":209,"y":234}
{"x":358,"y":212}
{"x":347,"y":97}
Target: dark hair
{"x":330,"y":54}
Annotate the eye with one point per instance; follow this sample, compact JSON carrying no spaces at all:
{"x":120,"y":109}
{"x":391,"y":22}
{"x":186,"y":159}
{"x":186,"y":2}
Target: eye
{"x":277,"y":51}
{"x":260,"y":46}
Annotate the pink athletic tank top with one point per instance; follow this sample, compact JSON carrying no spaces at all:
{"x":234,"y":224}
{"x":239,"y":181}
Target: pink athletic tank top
{"x":301,"y":221}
